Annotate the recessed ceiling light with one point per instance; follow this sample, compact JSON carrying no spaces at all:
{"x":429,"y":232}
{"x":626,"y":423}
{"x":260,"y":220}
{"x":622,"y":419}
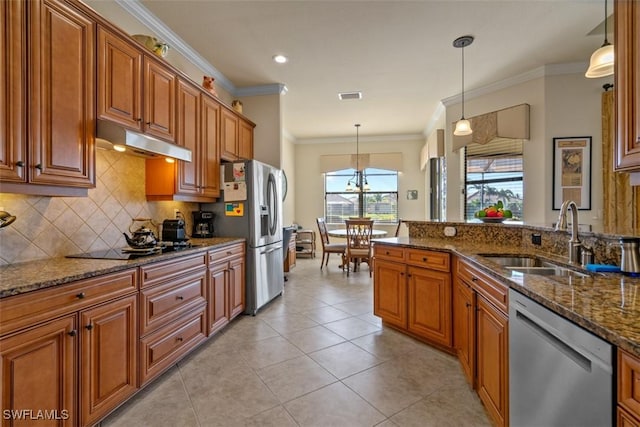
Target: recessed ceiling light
{"x":280,"y":59}
{"x":349,"y":95}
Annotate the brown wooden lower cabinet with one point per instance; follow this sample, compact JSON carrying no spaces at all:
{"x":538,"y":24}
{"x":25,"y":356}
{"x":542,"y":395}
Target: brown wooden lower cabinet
{"x":39,"y":371}
{"x":412,"y":291}
{"x":108,"y":368}
{"x":481,"y":337}
{"x":226,"y":294}
{"x":628,"y":389}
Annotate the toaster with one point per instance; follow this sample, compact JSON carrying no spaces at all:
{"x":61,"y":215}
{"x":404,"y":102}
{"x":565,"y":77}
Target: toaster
{"x":173,"y":230}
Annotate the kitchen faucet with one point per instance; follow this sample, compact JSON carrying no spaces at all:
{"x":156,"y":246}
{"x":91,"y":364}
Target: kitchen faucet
{"x":574,"y":243}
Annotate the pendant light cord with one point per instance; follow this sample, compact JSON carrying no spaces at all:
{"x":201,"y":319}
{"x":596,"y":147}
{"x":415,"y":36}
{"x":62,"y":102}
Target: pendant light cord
{"x":462,"y":82}
{"x":606,"y":41}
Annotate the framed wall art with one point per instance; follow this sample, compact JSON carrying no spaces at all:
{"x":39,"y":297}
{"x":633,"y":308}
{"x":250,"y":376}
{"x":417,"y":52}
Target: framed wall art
{"x":572,"y":171}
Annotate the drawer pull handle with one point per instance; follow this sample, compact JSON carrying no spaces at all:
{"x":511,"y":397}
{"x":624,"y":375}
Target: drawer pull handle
{"x":72,"y":333}
{"x":146,"y":276}
{"x":89,"y":327}
{"x":474,"y":279}
{"x":179,"y":339}
{"x":180,"y":297}
{"x":229,"y":253}
{"x":138,"y":120}
{"x":81,"y":295}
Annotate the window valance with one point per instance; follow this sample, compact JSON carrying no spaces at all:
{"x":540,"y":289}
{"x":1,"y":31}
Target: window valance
{"x":509,"y":123}
{"x":336,"y":162}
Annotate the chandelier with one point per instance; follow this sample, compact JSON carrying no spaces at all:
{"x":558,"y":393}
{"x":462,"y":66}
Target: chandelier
{"x":358,"y":182}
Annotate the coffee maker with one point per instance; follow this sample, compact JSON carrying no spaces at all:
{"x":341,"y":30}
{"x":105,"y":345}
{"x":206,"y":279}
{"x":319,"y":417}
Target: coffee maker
{"x":202,"y":224}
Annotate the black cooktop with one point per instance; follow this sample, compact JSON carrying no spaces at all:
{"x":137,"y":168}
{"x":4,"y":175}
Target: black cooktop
{"x":128,"y":253}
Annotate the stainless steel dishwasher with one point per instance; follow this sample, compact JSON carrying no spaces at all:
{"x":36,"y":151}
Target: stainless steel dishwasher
{"x":559,"y":374}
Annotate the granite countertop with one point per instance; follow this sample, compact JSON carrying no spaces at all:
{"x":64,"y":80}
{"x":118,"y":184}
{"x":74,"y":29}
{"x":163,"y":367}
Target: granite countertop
{"x":607,"y":304}
{"x":29,"y":276}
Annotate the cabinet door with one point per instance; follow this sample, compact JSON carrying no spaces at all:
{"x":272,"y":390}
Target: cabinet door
{"x":629,"y":382}
{"x":210,"y":116}
{"x":493,"y":362}
{"x":245,"y":140}
{"x":627,"y":84}
{"x":52,"y":348}
{"x":109,"y":372}
{"x":464,"y":328}
{"x":62,"y":83}
{"x":429,"y":301}
{"x":228,"y":135}
{"x":189,"y":137}
{"x":160,"y":101}
{"x":12,"y":92}
{"x":218,"y":298}
{"x":119,"y":80}
{"x":390,"y":292}
{"x":236,"y":286}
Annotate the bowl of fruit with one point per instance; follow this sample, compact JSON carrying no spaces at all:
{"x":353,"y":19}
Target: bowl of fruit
{"x":495,"y":213}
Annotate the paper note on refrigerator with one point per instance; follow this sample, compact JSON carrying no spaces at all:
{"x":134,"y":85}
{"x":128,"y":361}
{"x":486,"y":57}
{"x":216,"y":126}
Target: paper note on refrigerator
{"x":235,"y":191}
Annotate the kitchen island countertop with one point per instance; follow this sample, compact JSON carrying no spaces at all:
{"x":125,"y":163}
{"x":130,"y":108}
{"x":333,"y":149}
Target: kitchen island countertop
{"x":607,"y":304}
{"x":30,"y":276}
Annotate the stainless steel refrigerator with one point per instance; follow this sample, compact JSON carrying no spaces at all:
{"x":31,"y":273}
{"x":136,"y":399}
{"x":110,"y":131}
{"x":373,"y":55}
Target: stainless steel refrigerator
{"x":250,"y":206}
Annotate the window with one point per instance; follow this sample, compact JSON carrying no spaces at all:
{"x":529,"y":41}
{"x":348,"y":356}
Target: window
{"x":494,"y":172}
{"x":380,"y":202}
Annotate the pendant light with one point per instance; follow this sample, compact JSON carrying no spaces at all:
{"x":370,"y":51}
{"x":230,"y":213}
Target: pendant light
{"x":601,"y":64}
{"x":463,"y":127}
{"x":359,"y":178}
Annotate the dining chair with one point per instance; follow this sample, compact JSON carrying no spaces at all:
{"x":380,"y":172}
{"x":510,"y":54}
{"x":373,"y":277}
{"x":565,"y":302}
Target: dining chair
{"x":397,"y":233}
{"x":359,"y":243}
{"x":327,"y":247}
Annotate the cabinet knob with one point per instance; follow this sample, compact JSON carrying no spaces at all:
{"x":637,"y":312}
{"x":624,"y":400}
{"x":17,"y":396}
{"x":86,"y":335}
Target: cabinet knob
{"x":474,"y":279}
{"x":402,"y":274}
{"x":39,"y":166}
{"x":19,"y":163}
{"x":89,"y":327}
{"x":179,"y":339}
{"x":424,"y":259}
{"x":386,"y":253}
{"x":72,"y":333}
{"x":148,"y":123}
{"x":138,"y":119}
{"x":81,"y":295}
{"x":229,"y":253}
{"x":467,"y":304}
{"x":409,"y":275}
{"x":180,"y":297}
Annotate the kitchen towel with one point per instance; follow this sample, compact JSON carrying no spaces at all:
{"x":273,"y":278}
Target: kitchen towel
{"x":603,"y":268}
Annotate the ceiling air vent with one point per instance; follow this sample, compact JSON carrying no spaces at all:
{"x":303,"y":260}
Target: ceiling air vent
{"x":349,"y":95}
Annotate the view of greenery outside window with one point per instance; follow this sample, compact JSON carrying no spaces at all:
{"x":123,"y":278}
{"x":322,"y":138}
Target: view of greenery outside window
{"x":380,"y":202}
{"x":494,"y":172}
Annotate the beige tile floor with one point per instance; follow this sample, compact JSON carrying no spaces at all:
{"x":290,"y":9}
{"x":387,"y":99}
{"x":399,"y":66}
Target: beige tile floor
{"x":317,"y":356}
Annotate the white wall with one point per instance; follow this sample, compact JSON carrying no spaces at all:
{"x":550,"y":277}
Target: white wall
{"x":309,"y":181}
{"x":561,"y":105}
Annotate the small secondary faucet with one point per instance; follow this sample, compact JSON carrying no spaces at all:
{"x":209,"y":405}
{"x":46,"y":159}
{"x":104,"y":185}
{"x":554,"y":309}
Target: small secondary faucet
{"x":574,"y":243}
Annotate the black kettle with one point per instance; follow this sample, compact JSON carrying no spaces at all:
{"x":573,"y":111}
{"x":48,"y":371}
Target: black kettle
{"x":142,"y":237}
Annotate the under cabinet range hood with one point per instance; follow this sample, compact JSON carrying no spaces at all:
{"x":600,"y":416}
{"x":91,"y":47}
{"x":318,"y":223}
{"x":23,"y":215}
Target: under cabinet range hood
{"x":109,"y":135}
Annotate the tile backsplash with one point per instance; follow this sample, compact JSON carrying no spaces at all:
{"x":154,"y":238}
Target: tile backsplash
{"x":48,"y":227}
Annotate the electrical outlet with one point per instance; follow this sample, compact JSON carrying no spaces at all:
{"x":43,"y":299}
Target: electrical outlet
{"x":536,"y":239}
{"x":175,"y":212}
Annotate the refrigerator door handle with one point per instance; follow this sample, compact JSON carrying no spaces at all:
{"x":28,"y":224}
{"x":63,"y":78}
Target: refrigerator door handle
{"x":272,"y":202}
{"x":275,"y":248}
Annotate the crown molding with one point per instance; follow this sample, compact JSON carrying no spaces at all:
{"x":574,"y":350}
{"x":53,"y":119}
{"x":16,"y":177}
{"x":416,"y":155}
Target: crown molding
{"x":352,"y":139}
{"x":536,"y":73}
{"x":272,"y":89}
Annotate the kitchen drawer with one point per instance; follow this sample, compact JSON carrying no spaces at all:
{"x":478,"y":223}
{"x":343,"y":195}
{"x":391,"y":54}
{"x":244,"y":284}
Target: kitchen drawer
{"x":19,"y":311}
{"x":159,"y":272}
{"x":166,"y":346}
{"x":433,"y":260}
{"x":223,"y":254}
{"x":165,"y":302}
{"x":491,"y":289}
{"x":391,"y":253}
{"x":629,"y":383}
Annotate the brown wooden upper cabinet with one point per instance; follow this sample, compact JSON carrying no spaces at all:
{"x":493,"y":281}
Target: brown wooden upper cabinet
{"x":627,"y":85}
{"x":135,"y":89}
{"x":48,"y":53}
{"x":236,"y":136}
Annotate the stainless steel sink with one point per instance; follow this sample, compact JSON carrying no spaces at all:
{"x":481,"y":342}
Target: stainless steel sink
{"x":533,"y":265}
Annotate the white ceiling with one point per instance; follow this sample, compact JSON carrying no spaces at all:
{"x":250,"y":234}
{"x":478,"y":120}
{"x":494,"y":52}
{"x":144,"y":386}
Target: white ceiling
{"x":398,"y":53}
